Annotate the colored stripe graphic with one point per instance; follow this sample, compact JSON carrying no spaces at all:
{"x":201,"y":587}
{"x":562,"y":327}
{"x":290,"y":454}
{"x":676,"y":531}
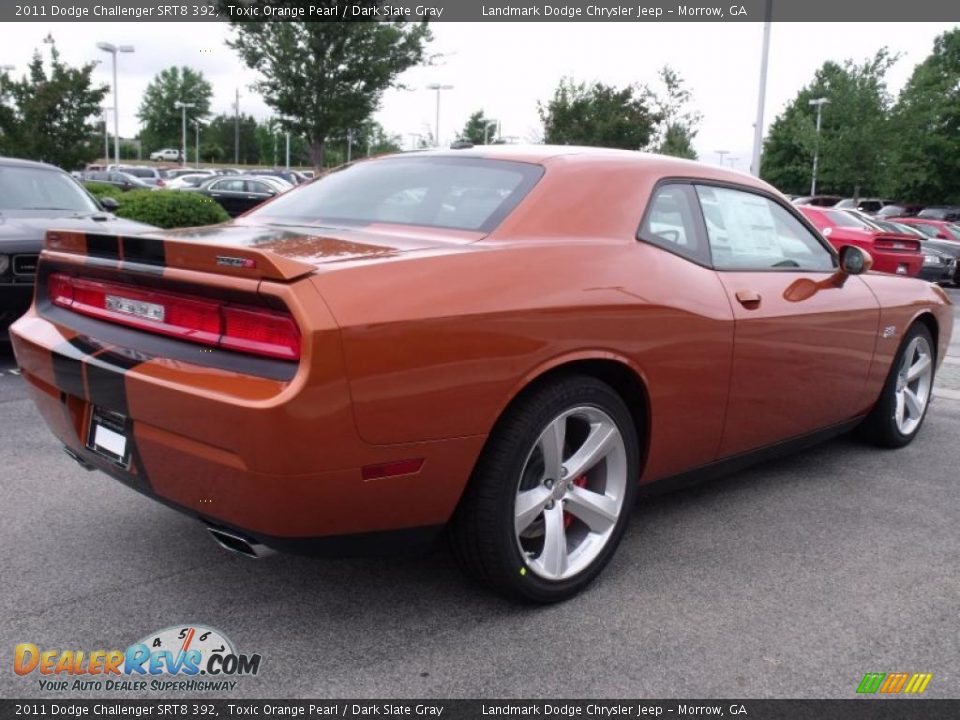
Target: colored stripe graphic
{"x":894,"y":683}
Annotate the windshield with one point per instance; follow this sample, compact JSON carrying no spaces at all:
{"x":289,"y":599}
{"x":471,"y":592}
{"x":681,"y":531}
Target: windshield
{"x":842,"y":219}
{"x":31,"y":188}
{"x":444,"y":192}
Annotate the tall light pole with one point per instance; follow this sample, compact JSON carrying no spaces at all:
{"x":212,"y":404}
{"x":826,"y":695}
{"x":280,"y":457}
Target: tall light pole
{"x":819,"y":103}
{"x":438,"y":87}
{"x":288,"y":150}
{"x":106,"y":136}
{"x":486,"y":129}
{"x":113,"y":50}
{"x":761,"y":95}
{"x":183,"y":134}
{"x":721,"y":153}
{"x":236,"y":129}
{"x":196,"y":155}
{"x":349,"y":144}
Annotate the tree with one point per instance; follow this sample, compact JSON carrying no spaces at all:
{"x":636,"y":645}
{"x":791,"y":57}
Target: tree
{"x":220,"y":133}
{"x":854,"y":134}
{"x":479,"y":129}
{"x":599,"y":115}
{"x":325,"y":78}
{"x":51,"y":116}
{"x":678,"y":124}
{"x":925,"y":125}
{"x":161,"y":118}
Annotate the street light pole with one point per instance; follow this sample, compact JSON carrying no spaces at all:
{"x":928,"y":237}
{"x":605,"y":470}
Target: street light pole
{"x":349,"y":144}
{"x":196,"y":154}
{"x":113,"y":50}
{"x":288,"y":150}
{"x":438,"y":87}
{"x":761,"y":97}
{"x":183,"y":134}
{"x":721,"y":153}
{"x":819,"y":103}
{"x":106,"y":137}
{"x":486,"y":128}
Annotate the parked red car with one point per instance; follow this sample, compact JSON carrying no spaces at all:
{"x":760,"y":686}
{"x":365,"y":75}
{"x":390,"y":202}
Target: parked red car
{"x":940,"y":229}
{"x":891,"y":252}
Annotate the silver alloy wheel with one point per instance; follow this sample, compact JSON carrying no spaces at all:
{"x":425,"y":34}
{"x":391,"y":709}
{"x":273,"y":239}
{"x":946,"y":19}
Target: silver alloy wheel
{"x":570,"y":492}
{"x":914,"y":382}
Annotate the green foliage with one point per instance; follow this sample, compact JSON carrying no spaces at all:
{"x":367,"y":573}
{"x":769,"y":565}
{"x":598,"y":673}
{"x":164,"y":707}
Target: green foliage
{"x":854,"y":136}
{"x":599,"y":115}
{"x":162,"y":120}
{"x":678,"y":123}
{"x":925,"y":127}
{"x":325,"y":78}
{"x":101,"y":190}
{"x":479,"y":129}
{"x":170,"y":208}
{"x":221,"y":133}
{"x":47,"y":115}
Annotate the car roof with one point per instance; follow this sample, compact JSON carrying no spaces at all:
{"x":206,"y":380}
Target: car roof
{"x":547,"y":155}
{"x":18,"y":162}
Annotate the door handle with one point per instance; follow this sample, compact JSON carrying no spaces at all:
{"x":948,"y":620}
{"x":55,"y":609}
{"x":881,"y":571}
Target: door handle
{"x":750,"y":299}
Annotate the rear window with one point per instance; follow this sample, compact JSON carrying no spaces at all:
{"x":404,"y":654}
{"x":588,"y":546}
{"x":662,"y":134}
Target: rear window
{"x":842,"y":219}
{"x":444,"y":192}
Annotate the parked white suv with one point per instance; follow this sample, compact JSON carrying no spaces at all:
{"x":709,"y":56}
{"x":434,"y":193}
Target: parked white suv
{"x":166,"y":154}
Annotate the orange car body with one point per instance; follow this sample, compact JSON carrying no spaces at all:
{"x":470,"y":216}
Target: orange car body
{"x":414,"y":340}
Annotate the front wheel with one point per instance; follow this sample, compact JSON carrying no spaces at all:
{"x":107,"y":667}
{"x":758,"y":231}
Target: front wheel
{"x":549,"y":500}
{"x":902,"y":407}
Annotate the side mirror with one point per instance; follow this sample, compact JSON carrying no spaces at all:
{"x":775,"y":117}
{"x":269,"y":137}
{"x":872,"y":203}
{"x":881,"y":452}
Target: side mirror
{"x":854,"y":260}
{"x":108,"y":203}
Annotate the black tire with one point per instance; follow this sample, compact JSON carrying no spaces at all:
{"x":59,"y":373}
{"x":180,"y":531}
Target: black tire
{"x":880,"y":426}
{"x":482,"y":530}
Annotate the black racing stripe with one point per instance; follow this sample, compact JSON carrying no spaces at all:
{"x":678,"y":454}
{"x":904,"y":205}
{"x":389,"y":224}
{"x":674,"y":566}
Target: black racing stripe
{"x":106,"y":385}
{"x":149,"y":251}
{"x":103,"y":246}
{"x":68,"y":369}
{"x":87,"y":346}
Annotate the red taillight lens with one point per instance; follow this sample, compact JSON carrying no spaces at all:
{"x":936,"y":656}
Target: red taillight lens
{"x":260,"y":331}
{"x":905,"y":245}
{"x":243,"y":329}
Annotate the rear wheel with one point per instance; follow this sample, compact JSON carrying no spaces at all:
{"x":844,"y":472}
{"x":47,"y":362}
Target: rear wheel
{"x":898,"y":415}
{"x":549,"y":500}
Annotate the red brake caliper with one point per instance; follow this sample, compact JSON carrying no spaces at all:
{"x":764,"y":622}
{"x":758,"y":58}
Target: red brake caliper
{"x":579,"y":482}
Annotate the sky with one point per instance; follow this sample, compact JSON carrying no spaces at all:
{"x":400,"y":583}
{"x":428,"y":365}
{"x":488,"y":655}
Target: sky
{"x":505,"y":68}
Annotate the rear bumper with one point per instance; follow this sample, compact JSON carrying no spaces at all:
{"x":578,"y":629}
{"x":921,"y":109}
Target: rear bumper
{"x":276,"y":460}
{"x":938,"y":273}
{"x":906,"y":264}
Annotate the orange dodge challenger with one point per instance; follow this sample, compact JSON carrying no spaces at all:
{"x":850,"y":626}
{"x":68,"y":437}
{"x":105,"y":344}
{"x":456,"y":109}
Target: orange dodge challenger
{"x":503,"y":341}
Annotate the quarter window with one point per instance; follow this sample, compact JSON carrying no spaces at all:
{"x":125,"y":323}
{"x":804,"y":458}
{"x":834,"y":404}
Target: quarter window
{"x":748,"y":231}
{"x":670,"y":223}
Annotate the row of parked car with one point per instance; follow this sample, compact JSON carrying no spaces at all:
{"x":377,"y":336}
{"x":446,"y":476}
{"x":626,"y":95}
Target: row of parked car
{"x":236,"y":190}
{"x":904,"y":239}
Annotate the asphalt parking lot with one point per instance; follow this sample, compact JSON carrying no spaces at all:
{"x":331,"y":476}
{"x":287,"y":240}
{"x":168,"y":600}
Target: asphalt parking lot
{"x":792,"y":579}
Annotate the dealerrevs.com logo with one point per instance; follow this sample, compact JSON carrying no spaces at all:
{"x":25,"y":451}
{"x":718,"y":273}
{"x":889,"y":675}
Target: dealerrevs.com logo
{"x":186,"y":658}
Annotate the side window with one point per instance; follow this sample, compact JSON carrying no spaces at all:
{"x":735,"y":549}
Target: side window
{"x":257,"y":187}
{"x":750,"y":232}
{"x":670,"y":223}
{"x":228,"y":186}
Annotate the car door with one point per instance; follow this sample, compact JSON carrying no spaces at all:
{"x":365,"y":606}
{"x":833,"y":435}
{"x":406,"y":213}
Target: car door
{"x":256,"y":193}
{"x":801,"y":358}
{"x":229,"y":193}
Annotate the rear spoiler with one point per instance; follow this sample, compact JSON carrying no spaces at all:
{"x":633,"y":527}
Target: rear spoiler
{"x":156,"y":251}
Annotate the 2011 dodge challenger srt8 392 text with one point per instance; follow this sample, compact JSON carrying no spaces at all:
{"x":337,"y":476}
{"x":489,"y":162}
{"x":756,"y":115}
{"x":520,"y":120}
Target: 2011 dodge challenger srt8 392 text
{"x":503,"y":341}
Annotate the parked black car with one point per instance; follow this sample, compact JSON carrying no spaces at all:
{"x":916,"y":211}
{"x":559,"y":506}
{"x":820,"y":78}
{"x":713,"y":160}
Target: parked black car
{"x":817,"y":200}
{"x":291,"y":176}
{"x":34,"y":198}
{"x":238,"y":193}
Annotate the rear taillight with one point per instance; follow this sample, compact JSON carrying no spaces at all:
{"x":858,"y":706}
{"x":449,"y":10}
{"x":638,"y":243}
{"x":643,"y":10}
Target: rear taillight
{"x":231,"y":327}
{"x":897,"y":244}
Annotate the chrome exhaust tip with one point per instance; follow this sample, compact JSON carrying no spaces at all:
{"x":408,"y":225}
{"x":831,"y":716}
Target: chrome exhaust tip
{"x":239,"y":544}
